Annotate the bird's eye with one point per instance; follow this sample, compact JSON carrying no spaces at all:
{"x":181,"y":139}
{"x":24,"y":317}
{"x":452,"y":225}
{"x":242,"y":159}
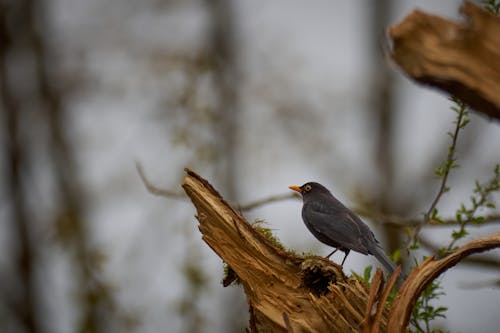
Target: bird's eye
{"x":307,"y":188}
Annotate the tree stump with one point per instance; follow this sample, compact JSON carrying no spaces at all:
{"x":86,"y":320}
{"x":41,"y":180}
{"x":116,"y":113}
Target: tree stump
{"x":289,"y":293}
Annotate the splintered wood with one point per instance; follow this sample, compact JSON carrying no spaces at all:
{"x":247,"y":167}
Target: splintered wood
{"x":462,"y":59}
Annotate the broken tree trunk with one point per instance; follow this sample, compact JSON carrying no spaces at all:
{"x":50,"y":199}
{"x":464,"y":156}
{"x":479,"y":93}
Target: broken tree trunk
{"x":460,"y":58}
{"x":288,"y":293}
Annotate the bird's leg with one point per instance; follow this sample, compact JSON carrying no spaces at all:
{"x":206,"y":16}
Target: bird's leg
{"x":345,"y":257}
{"x":328,"y":256}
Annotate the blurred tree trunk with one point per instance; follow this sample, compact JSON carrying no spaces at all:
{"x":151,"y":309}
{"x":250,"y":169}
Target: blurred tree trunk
{"x":224,"y":53}
{"x":23,"y":304}
{"x":225,"y":58}
{"x":382,"y":109}
{"x":36,"y":123}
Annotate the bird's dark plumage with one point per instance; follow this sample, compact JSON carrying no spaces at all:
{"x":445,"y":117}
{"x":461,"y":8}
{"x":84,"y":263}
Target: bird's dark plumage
{"x":336,"y":225}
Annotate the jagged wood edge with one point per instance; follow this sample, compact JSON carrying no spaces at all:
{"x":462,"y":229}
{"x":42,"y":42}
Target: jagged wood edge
{"x":459,"y":58}
{"x":422,"y":275}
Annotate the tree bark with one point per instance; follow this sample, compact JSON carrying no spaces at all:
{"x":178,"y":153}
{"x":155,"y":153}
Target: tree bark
{"x":289,"y":293}
{"x":460,"y":58}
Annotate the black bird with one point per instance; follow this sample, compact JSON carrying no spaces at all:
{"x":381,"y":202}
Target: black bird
{"x":336,"y":225}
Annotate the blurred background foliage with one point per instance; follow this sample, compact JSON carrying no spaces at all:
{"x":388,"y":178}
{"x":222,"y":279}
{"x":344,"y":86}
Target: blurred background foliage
{"x":255,"y":96}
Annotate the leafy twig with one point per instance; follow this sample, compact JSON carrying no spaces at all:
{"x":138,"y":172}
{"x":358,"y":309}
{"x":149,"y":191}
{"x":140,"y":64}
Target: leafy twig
{"x":493,"y":6}
{"x":445,"y":168}
{"x":423,"y":311}
{"x":480,"y":199}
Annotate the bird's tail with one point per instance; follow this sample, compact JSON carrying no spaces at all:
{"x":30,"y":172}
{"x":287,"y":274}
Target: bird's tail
{"x":386,"y":262}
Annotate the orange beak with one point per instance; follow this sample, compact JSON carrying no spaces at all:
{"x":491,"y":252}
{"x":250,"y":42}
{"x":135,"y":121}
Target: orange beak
{"x":295,"y":188}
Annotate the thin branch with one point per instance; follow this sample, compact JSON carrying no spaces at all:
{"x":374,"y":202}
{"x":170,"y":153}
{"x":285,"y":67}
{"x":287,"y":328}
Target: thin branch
{"x":156,"y":190}
{"x":153,"y":189}
{"x":402,"y":221}
{"x":482,"y":261}
{"x":449,"y":160}
{"x":445,"y":169}
{"x":467,"y":216}
{"x":492,"y":283}
{"x":268,"y":200}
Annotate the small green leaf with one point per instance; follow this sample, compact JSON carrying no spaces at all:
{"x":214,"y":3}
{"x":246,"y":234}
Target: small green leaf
{"x":396,"y":255}
{"x":367,"y":273}
{"x":459,"y":234}
{"x":442,"y":251}
{"x":464,"y":123}
{"x":478,"y":220}
{"x":414,"y":246}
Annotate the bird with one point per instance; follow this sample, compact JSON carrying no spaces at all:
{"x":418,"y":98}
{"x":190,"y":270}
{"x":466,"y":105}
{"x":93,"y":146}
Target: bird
{"x":335,"y":225}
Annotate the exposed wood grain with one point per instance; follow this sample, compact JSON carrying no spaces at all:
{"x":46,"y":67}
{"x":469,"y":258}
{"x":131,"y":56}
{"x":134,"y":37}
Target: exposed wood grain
{"x":462,"y":59}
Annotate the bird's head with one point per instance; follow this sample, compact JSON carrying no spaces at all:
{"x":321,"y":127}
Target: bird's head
{"x":310,"y":188}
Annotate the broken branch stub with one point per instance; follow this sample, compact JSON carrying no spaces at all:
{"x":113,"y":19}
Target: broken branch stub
{"x":462,"y":59}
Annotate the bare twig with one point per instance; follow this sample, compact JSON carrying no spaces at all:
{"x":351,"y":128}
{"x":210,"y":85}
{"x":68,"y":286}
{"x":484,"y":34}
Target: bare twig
{"x":153,"y":189}
{"x":481,"y":284}
{"x":265,"y":201}
{"x":156,"y":190}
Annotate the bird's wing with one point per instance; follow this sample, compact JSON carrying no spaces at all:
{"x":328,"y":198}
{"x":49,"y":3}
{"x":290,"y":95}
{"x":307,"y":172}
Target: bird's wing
{"x":342,"y":228}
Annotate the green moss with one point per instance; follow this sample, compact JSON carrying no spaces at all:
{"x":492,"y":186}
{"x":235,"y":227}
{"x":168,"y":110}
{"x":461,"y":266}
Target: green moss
{"x":261,"y":226}
{"x":230,"y":277}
